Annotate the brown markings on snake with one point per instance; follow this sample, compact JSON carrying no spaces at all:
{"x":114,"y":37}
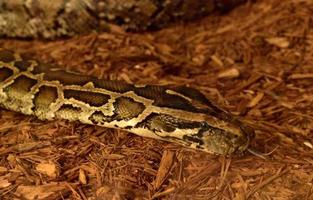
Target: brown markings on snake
{"x":197,"y":138}
{"x":92,"y":98}
{"x":68,"y":111}
{"x":45,"y":96}
{"x":167,"y":123}
{"x":156,"y":93}
{"x":69,"y":107}
{"x":21,"y":84}
{"x":5,"y":73}
{"x":41,"y":68}
{"x":162,"y":99}
{"x":6,"y":56}
{"x":99,"y":118}
{"x":115,"y":86}
{"x":194,"y":140}
{"x":197,"y":96}
{"x":127,"y":108}
{"x":68,"y":78}
{"x":22,"y":65}
{"x":192,"y":93}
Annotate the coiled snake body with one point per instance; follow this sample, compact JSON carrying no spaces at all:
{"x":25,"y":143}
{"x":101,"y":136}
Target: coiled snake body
{"x":182,"y":115}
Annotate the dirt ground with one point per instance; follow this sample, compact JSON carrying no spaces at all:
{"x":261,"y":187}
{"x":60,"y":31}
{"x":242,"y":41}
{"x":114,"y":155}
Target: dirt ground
{"x":256,"y":61}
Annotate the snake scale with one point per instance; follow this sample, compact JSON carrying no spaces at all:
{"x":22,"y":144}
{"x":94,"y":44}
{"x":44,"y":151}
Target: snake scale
{"x":177,"y":114}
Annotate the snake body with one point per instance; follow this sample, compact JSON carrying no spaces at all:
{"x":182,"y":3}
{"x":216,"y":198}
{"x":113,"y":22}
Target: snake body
{"x":176,"y":114}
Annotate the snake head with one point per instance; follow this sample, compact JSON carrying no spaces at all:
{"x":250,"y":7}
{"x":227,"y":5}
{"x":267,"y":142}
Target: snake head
{"x":223,"y":138}
{"x":226,"y":141}
{"x":220,"y":132}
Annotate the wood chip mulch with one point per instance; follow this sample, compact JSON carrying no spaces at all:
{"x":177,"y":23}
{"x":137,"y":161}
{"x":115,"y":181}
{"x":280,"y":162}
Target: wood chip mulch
{"x":256,"y":61}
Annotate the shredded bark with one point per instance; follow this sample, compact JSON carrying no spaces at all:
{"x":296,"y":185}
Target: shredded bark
{"x":256,"y":61}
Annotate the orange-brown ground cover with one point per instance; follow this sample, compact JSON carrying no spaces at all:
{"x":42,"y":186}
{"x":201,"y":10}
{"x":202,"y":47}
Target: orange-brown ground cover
{"x":256,"y":61}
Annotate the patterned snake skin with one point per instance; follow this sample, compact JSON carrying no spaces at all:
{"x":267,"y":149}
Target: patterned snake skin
{"x":182,"y":115}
